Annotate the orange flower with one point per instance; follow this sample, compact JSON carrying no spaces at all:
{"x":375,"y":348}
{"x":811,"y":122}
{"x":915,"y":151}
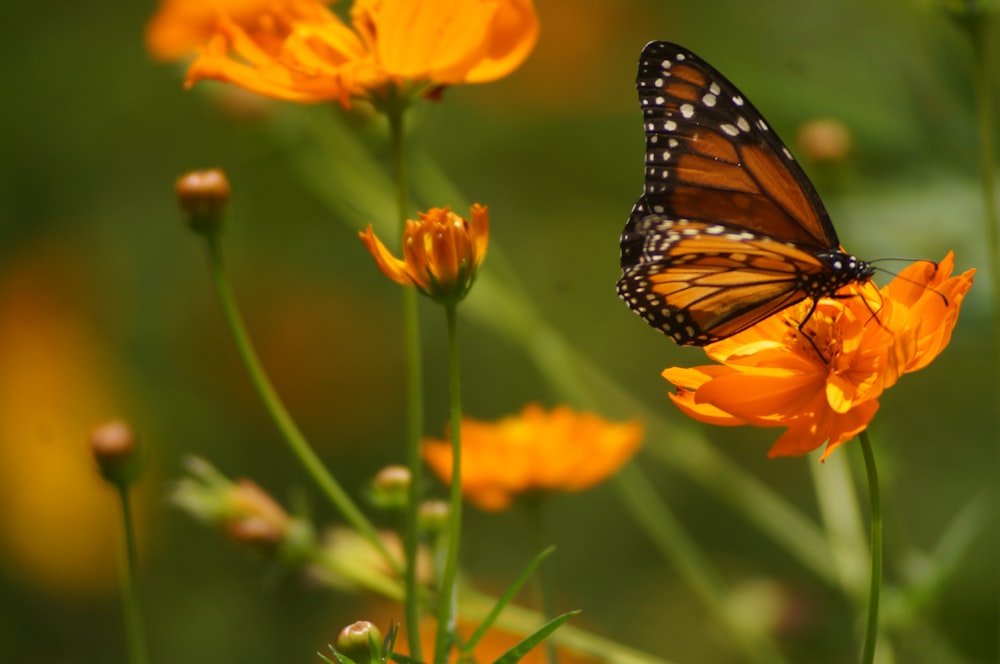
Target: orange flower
{"x":536,"y":451}
{"x":441,"y":252}
{"x":825,"y":391}
{"x":180,"y":27}
{"x":301,"y":51}
{"x":448,"y":41}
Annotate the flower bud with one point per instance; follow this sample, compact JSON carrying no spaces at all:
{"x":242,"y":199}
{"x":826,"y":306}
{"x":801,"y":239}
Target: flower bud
{"x":390,"y":487}
{"x":254,"y":517}
{"x":362,"y":642}
{"x":432,"y":516}
{"x":203,"y":197}
{"x":113,"y":445}
{"x":442,"y":252}
{"x":825,"y":140}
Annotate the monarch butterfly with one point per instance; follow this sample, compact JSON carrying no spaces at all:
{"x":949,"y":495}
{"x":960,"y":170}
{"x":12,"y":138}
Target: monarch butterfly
{"x":729,"y":230}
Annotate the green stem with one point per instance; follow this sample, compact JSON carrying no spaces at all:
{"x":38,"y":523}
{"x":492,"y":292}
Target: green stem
{"x":842,"y":518}
{"x":447,"y":609}
{"x":134,"y":627}
{"x":396,"y":113}
{"x":534,"y":505}
{"x":979,"y":26}
{"x":655,"y":516}
{"x":871,"y":631}
{"x":282,"y":419}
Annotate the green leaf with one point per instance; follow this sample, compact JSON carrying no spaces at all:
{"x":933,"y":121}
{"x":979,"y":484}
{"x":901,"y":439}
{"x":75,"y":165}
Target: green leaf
{"x":340,"y":659}
{"x":505,"y":599}
{"x":403,"y":659}
{"x":521,"y":649}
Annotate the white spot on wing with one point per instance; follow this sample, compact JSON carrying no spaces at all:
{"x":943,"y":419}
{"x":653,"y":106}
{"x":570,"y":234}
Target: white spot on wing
{"x":687,"y":110}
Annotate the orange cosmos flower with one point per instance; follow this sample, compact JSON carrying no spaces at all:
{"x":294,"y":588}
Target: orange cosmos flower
{"x":561,"y":450}
{"x":448,"y":41}
{"x":825,"y":391}
{"x":441,"y":252}
{"x":301,"y":51}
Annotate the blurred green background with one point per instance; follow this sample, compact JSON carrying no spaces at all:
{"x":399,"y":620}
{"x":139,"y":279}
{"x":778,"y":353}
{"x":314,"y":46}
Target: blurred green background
{"x":106,"y":309}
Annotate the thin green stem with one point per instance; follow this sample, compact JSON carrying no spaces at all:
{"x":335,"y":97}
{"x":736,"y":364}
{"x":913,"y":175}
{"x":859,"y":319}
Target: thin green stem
{"x":842,"y":518}
{"x":534,"y":508}
{"x":978,"y":28}
{"x":656,"y":517}
{"x":447,"y":609}
{"x":414,"y":388}
{"x":871,"y":630}
{"x":134,"y":627}
{"x":282,"y":419}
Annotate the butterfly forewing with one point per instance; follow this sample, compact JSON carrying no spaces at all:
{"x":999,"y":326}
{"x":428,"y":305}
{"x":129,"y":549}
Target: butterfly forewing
{"x":729,"y":229}
{"x":706,"y":144}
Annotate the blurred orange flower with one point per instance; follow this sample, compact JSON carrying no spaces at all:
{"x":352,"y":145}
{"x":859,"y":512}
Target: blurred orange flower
{"x":561,"y":450}
{"x":441,"y":252}
{"x":301,"y":51}
{"x":825,"y":390}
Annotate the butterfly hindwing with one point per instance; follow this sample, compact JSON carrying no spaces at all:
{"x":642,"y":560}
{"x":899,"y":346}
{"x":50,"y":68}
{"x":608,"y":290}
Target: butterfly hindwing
{"x":720,"y":281}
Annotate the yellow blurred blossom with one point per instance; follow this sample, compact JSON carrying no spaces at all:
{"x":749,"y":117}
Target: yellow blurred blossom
{"x":59,"y":521}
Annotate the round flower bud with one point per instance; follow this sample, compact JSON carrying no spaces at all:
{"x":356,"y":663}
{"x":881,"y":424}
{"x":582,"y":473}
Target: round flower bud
{"x":825,"y":140}
{"x":433,"y":516}
{"x":113,"y":445}
{"x":390,"y":487}
{"x":203,"y":197}
{"x":362,"y":642}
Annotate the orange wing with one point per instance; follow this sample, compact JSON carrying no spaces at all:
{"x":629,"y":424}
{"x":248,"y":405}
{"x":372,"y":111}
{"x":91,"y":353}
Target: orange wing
{"x":729,"y":229}
{"x":720,"y":280}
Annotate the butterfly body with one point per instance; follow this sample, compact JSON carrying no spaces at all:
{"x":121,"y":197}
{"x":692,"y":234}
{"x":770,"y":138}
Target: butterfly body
{"x":729,"y":230}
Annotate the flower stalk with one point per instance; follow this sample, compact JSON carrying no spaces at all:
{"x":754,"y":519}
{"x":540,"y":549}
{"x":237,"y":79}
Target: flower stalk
{"x":447,"y":605}
{"x":115,"y":448}
{"x":544,"y":578}
{"x":978,"y":29}
{"x":119,"y":461}
{"x":290,"y":432}
{"x":396,"y":114}
{"x":658,"y":520}
{"x":871,"y":628}
{"x":135,"y":628}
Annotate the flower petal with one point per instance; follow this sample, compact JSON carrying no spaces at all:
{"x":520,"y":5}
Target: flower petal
{"x":391,"y":266}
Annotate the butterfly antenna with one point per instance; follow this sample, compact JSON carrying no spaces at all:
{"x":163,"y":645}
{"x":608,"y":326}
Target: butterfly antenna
{"x":896,"y":275}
